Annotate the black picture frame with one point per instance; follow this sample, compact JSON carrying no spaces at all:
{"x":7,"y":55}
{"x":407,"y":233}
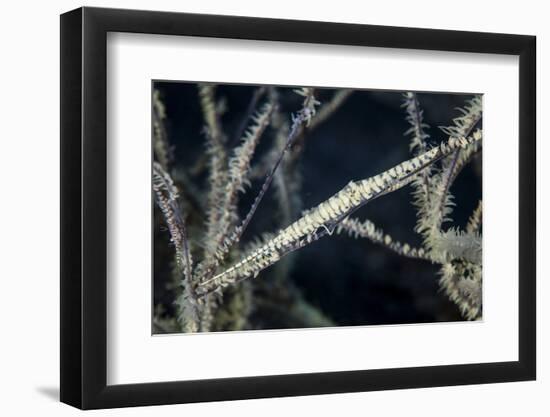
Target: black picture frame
{"x":84,"y":207}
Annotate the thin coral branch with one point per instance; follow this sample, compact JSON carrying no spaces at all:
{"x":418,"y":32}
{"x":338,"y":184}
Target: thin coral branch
{"x":256,"y":96}
{"x":217,"y":162}
{"x":448,"y":174}
{"x":418,"y":145}
{"x":309,"y":105}
{"x":321,"y":115}
{"x":166,"y":196}
{"x":239,"y":164}
{"x":474,"y":222}
{"x":368,"y":230}
{"x":325,"y":111}
{"x":217,"y":181}
{"x":329,"y":108}
{"x":466,"y":156}
{"x":269,"y":177}
{"x":161,"y":147}
{"x":210,"y":111}
{"x":437,"y":209}
{"x":283,"y":179}
{"x":462,"y":126}
{"x":415,"y":118}
{"x":304,"y":116}
{"x":287,"y":179}
{"x":325,"y":217}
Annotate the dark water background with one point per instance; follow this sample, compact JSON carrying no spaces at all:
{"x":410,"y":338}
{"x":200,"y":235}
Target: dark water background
{"x":353,"y":282}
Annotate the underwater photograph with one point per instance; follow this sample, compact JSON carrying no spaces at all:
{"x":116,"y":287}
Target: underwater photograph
{"x":291,"y":207}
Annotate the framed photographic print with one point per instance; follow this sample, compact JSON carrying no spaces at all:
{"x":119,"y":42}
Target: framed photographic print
{"x":258,"y":207}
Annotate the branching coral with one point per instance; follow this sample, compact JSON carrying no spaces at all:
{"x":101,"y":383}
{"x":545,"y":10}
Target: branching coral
{"x":326,"y":216}
{"x":216,"y":294}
